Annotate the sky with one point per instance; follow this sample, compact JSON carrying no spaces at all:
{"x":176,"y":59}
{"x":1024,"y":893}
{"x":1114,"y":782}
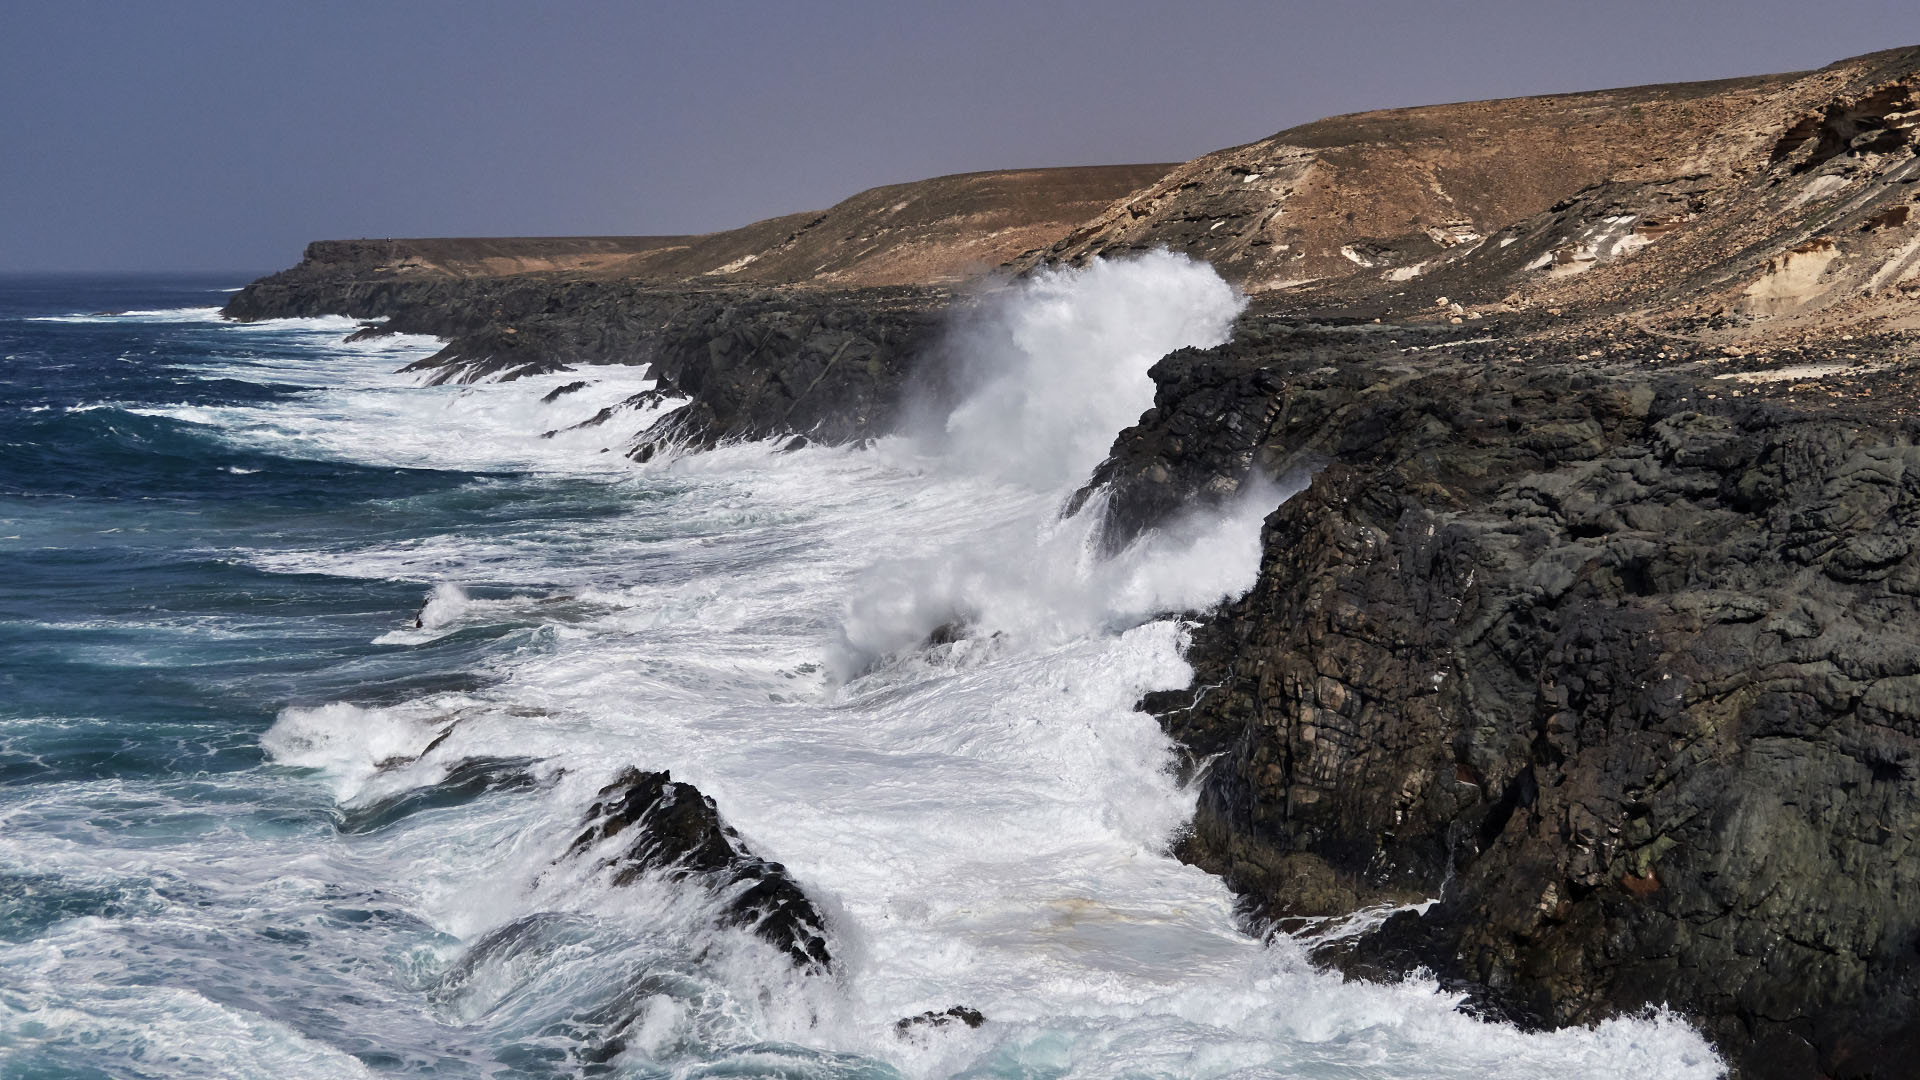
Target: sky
{"x":223,"y":136}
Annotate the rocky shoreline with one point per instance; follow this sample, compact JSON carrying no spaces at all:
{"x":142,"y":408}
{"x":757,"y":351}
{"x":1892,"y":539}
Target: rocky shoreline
{"x":1595,"y":618}
{"x":1613,"y":663}
{"x":754,"y":362}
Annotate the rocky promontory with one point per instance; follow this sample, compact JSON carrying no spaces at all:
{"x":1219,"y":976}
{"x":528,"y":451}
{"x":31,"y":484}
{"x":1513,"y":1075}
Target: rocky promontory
{"x":1596,"y":622}
{"x":1613,"y":662}
{"x":804,"y":324}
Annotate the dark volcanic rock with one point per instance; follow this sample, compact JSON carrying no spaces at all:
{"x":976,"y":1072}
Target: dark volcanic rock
{"x":753,"y":362}
{"x":673,"y":829}
{"x":1258,"y":401}
{"x":831,"y":366}
{"x":559,"y":392}
{"x":959,"y":1014}
{"x":1625,"y":670}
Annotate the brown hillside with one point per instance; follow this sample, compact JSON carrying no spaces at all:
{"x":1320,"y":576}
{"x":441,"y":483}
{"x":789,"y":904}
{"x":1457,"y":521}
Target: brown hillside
{"x":1391,"y":188}
{"x":926,"y":232}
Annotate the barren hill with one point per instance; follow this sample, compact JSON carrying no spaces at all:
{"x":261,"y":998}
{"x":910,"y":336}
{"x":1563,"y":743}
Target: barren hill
{"x":1764,"y":205}
{"x":925,"y":232}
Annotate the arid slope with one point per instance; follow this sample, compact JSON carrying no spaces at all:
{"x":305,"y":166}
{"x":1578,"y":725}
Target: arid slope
{"x":922,"y":233}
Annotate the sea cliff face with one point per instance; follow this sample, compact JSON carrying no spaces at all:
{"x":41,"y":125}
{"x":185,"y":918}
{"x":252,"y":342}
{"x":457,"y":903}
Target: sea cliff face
{"x":1597,"y":618}
{"x":830,"y":364}
{"x":1616,"y":665}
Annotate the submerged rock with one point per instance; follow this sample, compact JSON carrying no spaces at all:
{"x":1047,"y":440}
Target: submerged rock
{"x":465,"y":781}
{"x":959,"y":1014}
{"x":672,"y":829}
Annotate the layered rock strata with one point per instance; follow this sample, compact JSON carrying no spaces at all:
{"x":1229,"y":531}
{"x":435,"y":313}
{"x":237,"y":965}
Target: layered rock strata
{"x":1768,"y":205}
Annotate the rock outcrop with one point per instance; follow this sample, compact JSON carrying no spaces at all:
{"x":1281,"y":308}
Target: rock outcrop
{"x":649,"y":823}
{"x":1612,"y":655}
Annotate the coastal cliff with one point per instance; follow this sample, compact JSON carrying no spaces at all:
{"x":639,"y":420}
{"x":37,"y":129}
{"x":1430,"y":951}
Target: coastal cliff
{"x":1615,"y":664}
{"x":1595,"y":619}
{"x":804,"y":324}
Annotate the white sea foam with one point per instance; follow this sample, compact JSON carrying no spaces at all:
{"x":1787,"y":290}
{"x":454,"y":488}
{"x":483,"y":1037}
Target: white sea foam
{"x":156,"y":315}
{"x":352,"y":744}
{"x":358,"y":410}
{"x":1052,"y":370}
{"x":166,"y":1031}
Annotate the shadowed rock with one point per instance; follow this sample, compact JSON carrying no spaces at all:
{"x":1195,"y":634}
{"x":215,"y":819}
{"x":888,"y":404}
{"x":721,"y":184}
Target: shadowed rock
{"x":959,"y":1014}
{"x":654,"y":824}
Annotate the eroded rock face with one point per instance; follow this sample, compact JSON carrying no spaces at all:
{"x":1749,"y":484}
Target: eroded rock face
{"x":832,"y":365}
{"x":1627,"y":674}
{"x":646,"y":822}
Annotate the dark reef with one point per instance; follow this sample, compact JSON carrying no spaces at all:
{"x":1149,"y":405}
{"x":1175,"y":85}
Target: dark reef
{"x":666,"y":827}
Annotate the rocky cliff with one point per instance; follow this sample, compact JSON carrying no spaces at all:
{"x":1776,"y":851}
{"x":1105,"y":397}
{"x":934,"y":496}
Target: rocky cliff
{"x":1609,"y":655}
{"x":1597,"y":618}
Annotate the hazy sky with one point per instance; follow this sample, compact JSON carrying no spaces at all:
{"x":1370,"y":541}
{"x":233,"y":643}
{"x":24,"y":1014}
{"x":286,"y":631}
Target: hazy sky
{"x":187,"y":135}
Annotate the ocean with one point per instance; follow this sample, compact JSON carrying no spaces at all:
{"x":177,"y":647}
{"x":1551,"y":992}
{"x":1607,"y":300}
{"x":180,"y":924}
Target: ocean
{"x":309,"y":672}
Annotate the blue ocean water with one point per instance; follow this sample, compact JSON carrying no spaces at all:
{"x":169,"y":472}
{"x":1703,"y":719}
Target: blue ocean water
{"x":144,"y":650}
{"x":308,"y":672}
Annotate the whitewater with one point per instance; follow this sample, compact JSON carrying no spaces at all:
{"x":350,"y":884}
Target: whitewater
{"x":285,"y":877}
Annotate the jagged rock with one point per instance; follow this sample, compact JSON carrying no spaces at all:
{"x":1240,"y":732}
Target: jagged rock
{"x":672,"y":829}
{"x":830,"y":366}
{"x":959,"y":1014}
{"x":559,"y":392}
{"x":1624,"y":666}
